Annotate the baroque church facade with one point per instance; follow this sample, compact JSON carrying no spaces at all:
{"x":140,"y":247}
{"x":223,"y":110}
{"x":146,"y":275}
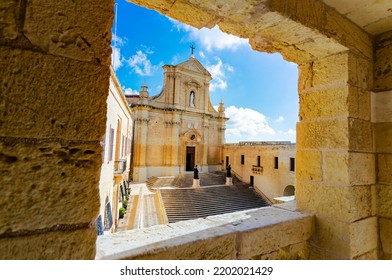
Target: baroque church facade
{"x":179,"y":128}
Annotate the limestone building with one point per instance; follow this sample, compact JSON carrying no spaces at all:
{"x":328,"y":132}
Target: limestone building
{"x":115,"y":157}
{"x":267,"y":166}
{"x":178,"y":128}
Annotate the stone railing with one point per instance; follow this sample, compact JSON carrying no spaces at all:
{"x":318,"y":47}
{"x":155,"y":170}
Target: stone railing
{"x":276,"y":232}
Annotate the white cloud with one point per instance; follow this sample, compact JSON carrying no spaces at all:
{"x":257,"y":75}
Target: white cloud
{"x":201,"y":54}
{"x":116,"y":58}
{"x":129,"y":91}
{"x":118,"y":41}
{"x":218,"y":73}
{"x":175,"y":59}
{"x":279,"y":119}
{"x":246,"y":124}
{"x":141,"y":65}
{"x":211,"y":38}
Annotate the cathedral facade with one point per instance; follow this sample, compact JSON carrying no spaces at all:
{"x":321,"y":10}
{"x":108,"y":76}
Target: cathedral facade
{"x":179,"y":128}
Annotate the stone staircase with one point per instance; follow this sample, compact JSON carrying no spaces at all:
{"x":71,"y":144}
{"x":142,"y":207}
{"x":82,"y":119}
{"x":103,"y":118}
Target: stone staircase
{"x":206,"y":179}
{"x":150,"y":183}
{"x":192,"y":203}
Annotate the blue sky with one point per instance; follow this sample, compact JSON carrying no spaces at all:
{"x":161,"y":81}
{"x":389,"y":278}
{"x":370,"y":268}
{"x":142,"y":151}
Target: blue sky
{"x":259,"y":90}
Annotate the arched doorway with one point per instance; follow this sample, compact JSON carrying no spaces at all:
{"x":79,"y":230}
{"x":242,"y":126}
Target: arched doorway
{"x":289,"y":190}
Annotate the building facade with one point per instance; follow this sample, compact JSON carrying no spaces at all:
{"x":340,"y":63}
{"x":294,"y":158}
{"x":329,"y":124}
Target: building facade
{"x":178,"y":128}
{"x":267,"y":166}
{"x":116,"y":157}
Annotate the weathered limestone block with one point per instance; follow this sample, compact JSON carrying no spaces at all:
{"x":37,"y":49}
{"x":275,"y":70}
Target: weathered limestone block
{"x":360,"y":71}
{"x":45,"y":96}
{"x":257,"y":240}
{"x":344,"y":168}
{"x":309,"y":165}
{"x":305,"y":77}
{"x":331,"y":71}
{"x":336,"y":71}
{"x":371,"y":255}
{"x":45,"y":184}
{"x":347,"y":33}
{"x":341,"y":101}
{"x":384,"y":168}
{"x":299,"y":251}
{"x":361,"y":139}
{"x":359,"y":103}
{"x":189,"y":14}
{"x":9,"y":10}
{"x":386,"y":235}
{"x":381,"y":106}
{"x":384,"y":198}
{"x":213,"y":248}
{"x":362,"y":168}
{"x":76,"y":29}
{"x":383,"y":137}
{"x":340,"y":240}
{"x":51,"y":245}
{"x":323,"y":134}
{"x":346,"y":204}
{"x":316,"y":15}
{"x":363,"y":236}
{"x":383,"y":62}
{"x":309,"y":13}
{"x":158,"y":5}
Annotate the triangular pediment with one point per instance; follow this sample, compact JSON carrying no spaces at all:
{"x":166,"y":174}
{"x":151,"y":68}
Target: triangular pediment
{"x":194,"y":65}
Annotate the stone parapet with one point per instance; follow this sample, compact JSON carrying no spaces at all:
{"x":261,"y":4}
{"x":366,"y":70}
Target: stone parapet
{"x":240,"y":235}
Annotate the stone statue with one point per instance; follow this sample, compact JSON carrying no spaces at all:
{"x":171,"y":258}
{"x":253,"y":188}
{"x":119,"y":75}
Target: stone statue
{"x":195,"y":173}
{"x":228,"y":168}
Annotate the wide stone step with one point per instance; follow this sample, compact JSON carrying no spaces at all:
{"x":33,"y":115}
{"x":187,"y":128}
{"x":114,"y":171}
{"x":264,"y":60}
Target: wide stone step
{"x":187,"y":204}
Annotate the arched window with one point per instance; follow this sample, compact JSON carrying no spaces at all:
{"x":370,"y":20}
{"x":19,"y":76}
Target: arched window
{"x":192,"y":99}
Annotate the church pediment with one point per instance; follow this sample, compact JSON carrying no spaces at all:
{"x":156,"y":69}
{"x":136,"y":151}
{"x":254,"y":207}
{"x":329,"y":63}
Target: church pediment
{"x":195,"y":66}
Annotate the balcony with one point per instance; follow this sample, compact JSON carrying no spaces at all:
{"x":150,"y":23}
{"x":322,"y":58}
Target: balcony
{"x":257,"y":169}
{"x":120,"y":166}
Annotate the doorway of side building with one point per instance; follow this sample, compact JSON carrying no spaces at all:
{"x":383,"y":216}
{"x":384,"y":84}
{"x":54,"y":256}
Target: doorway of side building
{"x":252,"y":179}
{"x":190,"y":158}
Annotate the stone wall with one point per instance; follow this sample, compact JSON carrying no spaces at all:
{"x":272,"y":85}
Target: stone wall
{"x":382,"y":134}
{"x":269,"y":180}
{"x":55,"y":78}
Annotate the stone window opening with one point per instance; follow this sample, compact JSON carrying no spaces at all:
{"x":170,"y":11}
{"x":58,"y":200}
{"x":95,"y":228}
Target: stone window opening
{"x":311,"y":68}
{"x":292,"y":164}
{"x":276,"y":163}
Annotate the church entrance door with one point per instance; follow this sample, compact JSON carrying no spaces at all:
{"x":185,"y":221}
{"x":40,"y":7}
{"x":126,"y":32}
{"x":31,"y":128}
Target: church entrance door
{"x":190,"y":158}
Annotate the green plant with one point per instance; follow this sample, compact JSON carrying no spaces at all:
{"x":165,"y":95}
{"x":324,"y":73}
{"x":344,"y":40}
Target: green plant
{"x":125,"y":203}
{"x":121,"y":212}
